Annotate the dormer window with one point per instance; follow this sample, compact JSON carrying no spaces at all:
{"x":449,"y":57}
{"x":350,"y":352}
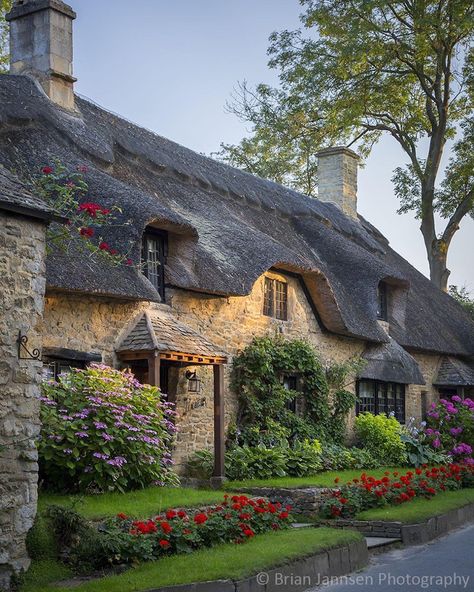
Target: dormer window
{"x":382,"y":302}
{"x":275,"y":299}
{"x":154,"y":250}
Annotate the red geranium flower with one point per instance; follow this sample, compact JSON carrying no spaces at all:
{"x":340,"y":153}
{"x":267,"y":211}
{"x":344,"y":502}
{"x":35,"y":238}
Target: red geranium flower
{"x":182,"y":514}
{"x":170,"y":514}
{"x":200,"y":518}
{"x":166,"y":528}
{"x":122,"y":516}
{"x":164,"y":544}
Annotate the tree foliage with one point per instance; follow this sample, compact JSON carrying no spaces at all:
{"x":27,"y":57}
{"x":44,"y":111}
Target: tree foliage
{"x":359,"y":69}
{"x":5,"y":6}
{"x":464,"y":298}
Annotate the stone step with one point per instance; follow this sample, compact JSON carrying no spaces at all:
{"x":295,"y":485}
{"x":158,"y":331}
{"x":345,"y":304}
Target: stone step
{"x":378,"y":542}
{"x":302,"y":525}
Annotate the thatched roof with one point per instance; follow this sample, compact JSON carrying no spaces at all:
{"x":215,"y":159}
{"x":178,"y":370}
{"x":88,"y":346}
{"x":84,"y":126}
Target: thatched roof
{"x":391,"y":363}
{"x":160,"y":330}
{"x":455,"y":372}
{"x":226,"y":227}
{"x":15,"y":197}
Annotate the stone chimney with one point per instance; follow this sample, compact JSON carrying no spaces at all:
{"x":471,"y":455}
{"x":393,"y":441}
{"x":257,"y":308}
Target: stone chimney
{"x":41,"y":46}
{"x":337,"y":174}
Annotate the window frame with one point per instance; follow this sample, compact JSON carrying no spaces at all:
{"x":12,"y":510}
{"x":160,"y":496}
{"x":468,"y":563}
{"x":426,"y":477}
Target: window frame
{"x":275,"y":298}
{"x":56,"y":363}
{"x":387,"y":397}
{"x":161,"y":236}
{"x":382,"y":301}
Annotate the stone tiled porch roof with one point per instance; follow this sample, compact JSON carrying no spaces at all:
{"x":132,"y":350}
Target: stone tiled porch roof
{"x":455,"y":372}
{"x":161,"y":331}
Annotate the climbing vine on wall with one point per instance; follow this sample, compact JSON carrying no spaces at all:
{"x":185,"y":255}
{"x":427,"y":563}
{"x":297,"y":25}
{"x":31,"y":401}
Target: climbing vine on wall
{"x":267,"y":415}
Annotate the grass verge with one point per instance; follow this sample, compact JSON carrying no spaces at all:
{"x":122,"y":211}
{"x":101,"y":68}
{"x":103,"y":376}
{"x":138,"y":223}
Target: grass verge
{"x":325,"y":479}
{"x":227,"y":561}
{"x":419,"y":510}
{"x":138,"y":504}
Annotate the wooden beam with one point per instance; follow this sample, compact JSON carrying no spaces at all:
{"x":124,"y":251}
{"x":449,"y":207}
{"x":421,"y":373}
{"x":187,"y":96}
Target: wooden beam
{"x":174,"y":356}
{"x":154,"y":369}
{"x":219,"y":436}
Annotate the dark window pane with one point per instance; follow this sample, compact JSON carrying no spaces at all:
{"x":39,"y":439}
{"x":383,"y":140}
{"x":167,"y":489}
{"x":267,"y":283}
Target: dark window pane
{"x":382,"y":301}
{"x":154,"y":260}
{"x":268,"y":298}
{"x":281,"y":297}
{"x":366,"y":401}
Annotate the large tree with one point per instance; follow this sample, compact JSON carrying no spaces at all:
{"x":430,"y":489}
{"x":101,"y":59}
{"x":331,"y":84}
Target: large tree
{"x":5,"y":6}
{"x":362,"y":68}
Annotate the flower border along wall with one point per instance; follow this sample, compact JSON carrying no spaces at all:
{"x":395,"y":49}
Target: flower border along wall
{"x":103,"y":430}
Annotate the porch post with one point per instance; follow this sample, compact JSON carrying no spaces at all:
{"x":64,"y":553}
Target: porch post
{"x":219,"y":438}
{"x":154,"y":369}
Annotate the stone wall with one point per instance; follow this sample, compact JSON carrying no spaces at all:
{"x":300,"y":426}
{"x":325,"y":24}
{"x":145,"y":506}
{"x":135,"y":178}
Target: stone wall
{"x":22,"y":273}
{"x":420,"y":396}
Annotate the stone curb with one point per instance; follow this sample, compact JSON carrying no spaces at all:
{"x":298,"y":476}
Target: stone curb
{"x":299,"y":575}
{"x":410,"y":534}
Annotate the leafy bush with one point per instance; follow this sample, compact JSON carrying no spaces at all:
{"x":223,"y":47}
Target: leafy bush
{"x":104,"y":430}
{"x":339,"y":458}
{"x":451,"y":428}
{"x":264,"y":415}
{"x":368,"y":492}
{"x":122,"y":540}
{"x":304,"y":459}
{"x":381,"y":436}
{"x":251,"y":463}
{"x":418,"y":446}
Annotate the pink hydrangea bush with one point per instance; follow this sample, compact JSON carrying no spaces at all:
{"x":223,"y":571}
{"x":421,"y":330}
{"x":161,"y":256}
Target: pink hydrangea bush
{"x":103,"y":430}
{"x":451,"y":428}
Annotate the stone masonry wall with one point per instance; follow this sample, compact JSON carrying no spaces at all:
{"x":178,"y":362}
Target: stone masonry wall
{"x":22,"y":273}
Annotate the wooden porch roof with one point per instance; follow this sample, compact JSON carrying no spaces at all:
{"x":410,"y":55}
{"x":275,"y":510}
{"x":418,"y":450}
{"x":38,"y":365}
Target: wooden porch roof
{"x":160,"y":331}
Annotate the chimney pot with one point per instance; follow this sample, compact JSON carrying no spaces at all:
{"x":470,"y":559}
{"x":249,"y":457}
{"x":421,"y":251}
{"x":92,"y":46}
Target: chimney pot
{"x":41,"y":46}
{"x":337,"y":178}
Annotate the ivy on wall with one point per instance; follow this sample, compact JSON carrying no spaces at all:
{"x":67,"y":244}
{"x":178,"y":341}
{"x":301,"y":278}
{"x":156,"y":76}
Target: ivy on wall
{"x":266,"y":404}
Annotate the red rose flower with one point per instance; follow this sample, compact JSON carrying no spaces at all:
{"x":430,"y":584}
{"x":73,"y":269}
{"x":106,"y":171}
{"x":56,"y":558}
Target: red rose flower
{"x":89,"y":232}
{"x":104,"y":246}
{"x":129,"y":262}
{"x":47,"y":170}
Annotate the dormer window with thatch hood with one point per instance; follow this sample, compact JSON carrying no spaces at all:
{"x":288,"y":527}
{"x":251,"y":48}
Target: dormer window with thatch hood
{"x":154,"y":252}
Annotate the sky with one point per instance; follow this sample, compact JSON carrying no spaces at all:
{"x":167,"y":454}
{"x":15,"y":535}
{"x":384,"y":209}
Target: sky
{"x":171,"y":66}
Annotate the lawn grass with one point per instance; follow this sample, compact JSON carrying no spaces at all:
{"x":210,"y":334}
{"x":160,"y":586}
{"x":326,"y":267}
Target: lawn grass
{"x":141,"y":503}
{"x":227,"y":561}
{"x":325,"y":479}
{"x":419,"y":510}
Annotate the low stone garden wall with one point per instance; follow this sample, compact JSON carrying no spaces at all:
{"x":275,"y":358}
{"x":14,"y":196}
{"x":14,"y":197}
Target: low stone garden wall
{"x":373,"y":528}
{"x":304,"y":502}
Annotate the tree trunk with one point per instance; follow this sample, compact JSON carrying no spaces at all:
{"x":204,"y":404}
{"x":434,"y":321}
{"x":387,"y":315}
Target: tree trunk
{"x":437,"y":257}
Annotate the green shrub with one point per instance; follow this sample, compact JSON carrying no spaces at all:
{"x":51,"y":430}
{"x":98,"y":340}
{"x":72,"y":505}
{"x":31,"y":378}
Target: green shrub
{"x":104,"y":430}
{"x":381,"y":436}
{"x":40,"y":540}
{"x":338,"y":458}
{"x":304,"y":459}
{"x":251,"y":463}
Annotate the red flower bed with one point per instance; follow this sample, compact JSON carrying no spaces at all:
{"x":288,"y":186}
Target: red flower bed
{"x":236,"y":519}
{"x":393,"y":488}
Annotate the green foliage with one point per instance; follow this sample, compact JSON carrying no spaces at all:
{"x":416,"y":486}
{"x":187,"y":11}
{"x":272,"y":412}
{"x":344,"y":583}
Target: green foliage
{"x":464,"y":298}
{"x":358,"y":70}
{"x":381,"y":436}
{"x":103,"y":430}
{"x":418,"y":446}
{"x":5,"y":6}
{"x":264,"y":416}
{"x":40,"y":540}
{"x":335,"y":457}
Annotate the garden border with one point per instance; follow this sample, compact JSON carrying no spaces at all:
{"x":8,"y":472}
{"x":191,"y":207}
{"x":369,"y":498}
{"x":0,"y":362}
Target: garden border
{"x":410,"y":534}
{"x":337,"y":561}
